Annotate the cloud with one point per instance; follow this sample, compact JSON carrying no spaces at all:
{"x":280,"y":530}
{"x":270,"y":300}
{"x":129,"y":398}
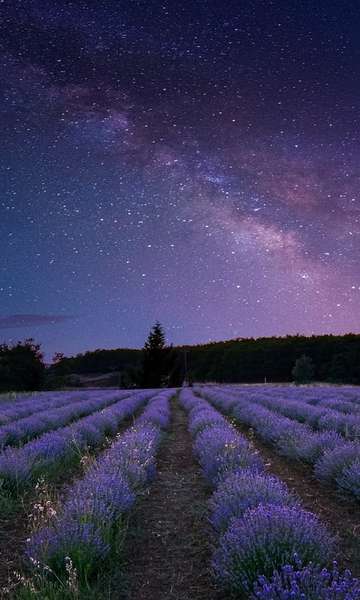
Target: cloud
{"x":18,"y":321}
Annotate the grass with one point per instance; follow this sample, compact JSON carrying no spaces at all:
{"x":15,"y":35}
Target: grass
{"x":6,"y":396}
{"x":42,"y":582}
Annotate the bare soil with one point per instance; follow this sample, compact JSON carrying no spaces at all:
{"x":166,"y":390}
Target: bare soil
{"x":169,"y":556}
{"x":337,"y":510}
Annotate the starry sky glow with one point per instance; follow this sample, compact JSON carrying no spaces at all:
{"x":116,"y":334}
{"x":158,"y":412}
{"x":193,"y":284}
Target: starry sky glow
{"x":192,"y":162}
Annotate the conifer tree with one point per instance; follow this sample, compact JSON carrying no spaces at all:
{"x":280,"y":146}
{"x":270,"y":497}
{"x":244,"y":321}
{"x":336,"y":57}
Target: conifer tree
{"x":155,"y":358}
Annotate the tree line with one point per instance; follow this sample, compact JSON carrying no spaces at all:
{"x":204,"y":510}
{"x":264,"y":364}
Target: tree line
{"x":326,"y":358}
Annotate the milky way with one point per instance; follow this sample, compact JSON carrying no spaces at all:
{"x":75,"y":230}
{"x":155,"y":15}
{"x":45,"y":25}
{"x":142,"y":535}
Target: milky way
{"x":192,"y":162}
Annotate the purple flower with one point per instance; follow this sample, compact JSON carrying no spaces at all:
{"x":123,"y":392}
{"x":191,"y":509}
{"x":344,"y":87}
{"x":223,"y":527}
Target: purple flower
{"x":157,"y":411}
{"x":312,"y":446}
{"x":134,"y":455}
{"x":246,"y":489}
{"x":87,"y":528}
{"x":82,"y":542}
{"x":307,"y":583}
{"x":328,"y":450}
{"x":19,"y":467}
{"x":263,"y":540}
{"x":349,"y":478}
{"x":100,"y":498}
{"x":14,"y":470}
{"x":53,"y":415}
{"x":205,"y":418}
{"x":212,"y":440}
{"x":330,"y":466}
{"x":221,"y":450}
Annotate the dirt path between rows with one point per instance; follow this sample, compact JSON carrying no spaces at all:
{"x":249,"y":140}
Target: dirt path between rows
{"x":169,"y":557}
{"x":337,"y":510}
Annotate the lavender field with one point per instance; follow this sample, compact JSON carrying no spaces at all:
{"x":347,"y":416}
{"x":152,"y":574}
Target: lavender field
{"x":206,"y":492}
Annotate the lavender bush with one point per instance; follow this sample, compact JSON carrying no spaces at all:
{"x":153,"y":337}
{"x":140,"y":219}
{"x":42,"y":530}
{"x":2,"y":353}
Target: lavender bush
{"x":311,"y":447}
{"x":28,"y":427}
{"x":219,"y":447}
{"x":330,"y":466}
{"x":307,"y":583}
{"x":329,"y":451}
{"x":204,"y":418}
{"x":262,"y":524}
{"x":53,"y":451}
{"x":28,"y":404}
{"x":80,"y":541}
{"x":88,"y":528}
{"x":245,"y":489}
{"x":263,"y":540}
{"x":323,"y":416}
{"x":349,"y":478}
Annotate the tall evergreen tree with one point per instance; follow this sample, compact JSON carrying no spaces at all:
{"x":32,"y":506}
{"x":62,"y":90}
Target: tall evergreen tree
{"x":156,"y":357}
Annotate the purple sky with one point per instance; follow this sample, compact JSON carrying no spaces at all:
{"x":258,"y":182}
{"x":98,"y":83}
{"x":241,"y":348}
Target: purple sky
{"x":196,"y":163}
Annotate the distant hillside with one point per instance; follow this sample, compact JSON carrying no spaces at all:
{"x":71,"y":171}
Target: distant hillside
{"x":100,"y":361}
{"x":336,"y":358}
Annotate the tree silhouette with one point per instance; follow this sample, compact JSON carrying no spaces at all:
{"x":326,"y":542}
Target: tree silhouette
{"x":156,"y":358}
{"x":21,"y":366}
{"x":304,"y":370}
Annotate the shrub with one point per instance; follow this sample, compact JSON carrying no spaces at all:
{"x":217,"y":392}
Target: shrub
{"x":312,"y":447}
{"x":349,"y":478}
{"x":330,"y":466}
{"x":308,"y":583}
{"x":205,"y":418}
{"x":245,"y":489}
{"x":289,"y":441}
{"x":93,"y":518}
{"x":221,"y":450}
{"x":266,"y":538}
{"x":81,"y":542}
{"x":211,"y":441}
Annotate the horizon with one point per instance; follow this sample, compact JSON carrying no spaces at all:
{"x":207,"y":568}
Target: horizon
{"x":213,"y":342}
{"x":193,"y":164}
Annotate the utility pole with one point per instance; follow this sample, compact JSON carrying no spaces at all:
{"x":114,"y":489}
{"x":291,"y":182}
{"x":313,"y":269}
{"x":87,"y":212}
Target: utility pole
{"x":185,"y":367}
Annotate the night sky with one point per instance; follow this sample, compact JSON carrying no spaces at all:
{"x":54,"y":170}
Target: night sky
{"x":193,"y":162}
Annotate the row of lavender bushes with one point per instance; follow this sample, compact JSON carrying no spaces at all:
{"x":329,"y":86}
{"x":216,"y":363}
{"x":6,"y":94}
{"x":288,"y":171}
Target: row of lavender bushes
{"x":342,"y":398}
{"x":70,"y":553}
{"x":266,"y":546}
{"x":345,"y":399}
{"x":321,"y":417}
{"x":53,"y":452}
{"x":335,"y":460}
{"x":48,"y":418}
{"x":26,"y":405}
